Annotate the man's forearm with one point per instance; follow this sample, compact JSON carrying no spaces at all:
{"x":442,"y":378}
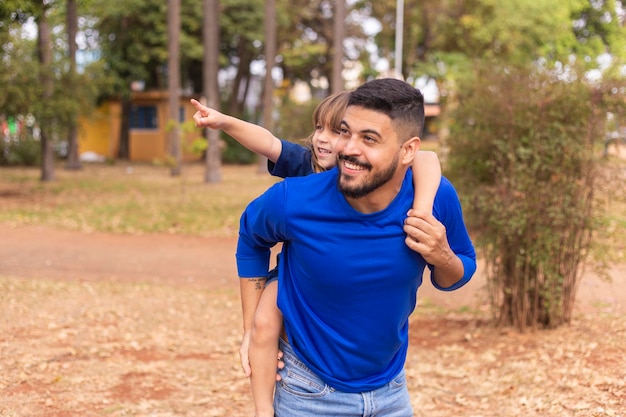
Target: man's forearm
{"x":448,"y":273}
{"x":251,"y":290}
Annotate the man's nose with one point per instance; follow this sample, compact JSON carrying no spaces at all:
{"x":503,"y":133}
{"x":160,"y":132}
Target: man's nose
{"x":350,"y":145}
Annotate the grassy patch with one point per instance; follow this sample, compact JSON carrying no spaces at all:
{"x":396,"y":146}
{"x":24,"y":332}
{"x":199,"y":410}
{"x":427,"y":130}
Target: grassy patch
{"x":131,"y":199}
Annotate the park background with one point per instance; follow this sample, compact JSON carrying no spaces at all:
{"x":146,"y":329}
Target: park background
{"x":119,"y":293}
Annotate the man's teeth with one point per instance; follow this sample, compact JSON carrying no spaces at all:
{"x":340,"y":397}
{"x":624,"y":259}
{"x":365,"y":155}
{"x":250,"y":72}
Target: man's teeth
{"x":352,"y":166}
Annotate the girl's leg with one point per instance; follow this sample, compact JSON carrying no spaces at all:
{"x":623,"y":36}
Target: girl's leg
{"x":263,"y":352}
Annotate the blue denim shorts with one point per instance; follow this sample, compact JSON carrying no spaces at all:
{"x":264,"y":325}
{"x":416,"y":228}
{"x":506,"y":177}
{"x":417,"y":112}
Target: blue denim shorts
{"x":301,"y":393}
{"x":272,"y":276}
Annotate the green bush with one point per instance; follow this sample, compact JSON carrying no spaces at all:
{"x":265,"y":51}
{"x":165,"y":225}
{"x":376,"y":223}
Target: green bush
{"x":295,"y":121}
{"x":24,"y":151}
{"x":235,"y":153}
{"x":523,"y":152}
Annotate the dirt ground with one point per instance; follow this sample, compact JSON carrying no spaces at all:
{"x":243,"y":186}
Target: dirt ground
{"x":95,"y":324}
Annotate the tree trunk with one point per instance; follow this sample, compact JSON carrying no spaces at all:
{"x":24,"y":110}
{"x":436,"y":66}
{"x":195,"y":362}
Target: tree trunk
{"x":123,"y":152}
{"x":268,"y":88}
{"x":210,"y":39}
{"x":237,"y":99}
{"x":44,"y":47}
{"x":339,"y":34}
{"x":173,"y":72}
{"x":73,"y":161}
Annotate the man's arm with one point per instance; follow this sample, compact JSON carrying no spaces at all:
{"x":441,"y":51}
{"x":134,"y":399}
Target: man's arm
{"x":426,"y":179}
{"x":427,"y":236}
{"x":256,"y":138}
{"x":258,"y":228}
{"x":250,"y":291}
{"x":443,"y":241}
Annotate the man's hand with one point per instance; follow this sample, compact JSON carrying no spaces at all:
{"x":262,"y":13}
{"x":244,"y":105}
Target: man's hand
{"x":427,"y":236}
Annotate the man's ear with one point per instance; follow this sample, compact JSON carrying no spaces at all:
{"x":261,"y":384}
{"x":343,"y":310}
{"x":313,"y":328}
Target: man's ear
{"x":410,"y":149}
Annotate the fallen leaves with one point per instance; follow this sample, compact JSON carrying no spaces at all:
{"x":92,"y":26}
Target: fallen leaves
{"x":123,"y":348}
{"x":579,"y":369}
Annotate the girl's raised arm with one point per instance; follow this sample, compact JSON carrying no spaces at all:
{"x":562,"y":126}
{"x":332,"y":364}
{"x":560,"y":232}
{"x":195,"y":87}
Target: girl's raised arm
{"x":426,"y":179}
{"x":256,"y":138}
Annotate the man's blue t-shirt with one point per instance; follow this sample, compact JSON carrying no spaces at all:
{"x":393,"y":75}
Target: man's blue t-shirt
{"x":347,"y":281}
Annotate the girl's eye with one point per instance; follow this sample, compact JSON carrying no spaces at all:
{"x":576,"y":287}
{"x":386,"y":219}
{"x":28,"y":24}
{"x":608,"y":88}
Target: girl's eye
{"x":337,"y":131}
{"x":319,"y":127}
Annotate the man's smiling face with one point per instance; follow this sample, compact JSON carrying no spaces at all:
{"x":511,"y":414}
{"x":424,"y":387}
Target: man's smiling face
{"x":368,"y":152}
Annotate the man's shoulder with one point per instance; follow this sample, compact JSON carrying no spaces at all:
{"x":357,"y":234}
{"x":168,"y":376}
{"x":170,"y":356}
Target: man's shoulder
{"x":446,"y":193}
{"x":446,"y":186}
{"x":311,"y":187}
{"x":322,"y":177}
{"x":302,"y":194}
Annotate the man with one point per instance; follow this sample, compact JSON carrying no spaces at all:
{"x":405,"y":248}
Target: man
{"x":352,"y":261}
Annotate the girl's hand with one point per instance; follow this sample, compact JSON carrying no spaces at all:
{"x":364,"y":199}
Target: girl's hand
{"x":206,"y":116}
{"x":243,"y":354}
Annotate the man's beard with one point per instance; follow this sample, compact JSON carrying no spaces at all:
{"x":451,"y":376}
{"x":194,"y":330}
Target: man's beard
{"x":379,"y":179}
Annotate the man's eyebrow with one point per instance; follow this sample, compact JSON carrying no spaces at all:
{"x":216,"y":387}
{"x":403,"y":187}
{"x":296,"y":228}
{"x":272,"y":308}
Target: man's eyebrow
{"x":366,"y":131}
{"x":371,"y":132}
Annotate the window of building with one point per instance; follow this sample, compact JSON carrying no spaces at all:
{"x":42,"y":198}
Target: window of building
{"x":144,"y":117}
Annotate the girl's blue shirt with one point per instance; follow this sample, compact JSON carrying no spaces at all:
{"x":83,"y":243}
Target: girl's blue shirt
{"x":294,"y":161}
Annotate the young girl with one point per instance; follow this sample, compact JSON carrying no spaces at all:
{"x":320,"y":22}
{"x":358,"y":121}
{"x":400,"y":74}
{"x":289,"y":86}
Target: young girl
{"x":259,"y":348}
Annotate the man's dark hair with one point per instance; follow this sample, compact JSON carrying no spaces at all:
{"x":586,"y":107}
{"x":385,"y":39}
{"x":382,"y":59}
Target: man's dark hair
{"x":402,"y":103}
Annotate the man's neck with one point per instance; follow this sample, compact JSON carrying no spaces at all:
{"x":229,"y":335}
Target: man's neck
{"x":378,"y":199}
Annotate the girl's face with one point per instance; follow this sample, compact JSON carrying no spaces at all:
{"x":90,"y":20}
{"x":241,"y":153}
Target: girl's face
{"x":323,"y":141}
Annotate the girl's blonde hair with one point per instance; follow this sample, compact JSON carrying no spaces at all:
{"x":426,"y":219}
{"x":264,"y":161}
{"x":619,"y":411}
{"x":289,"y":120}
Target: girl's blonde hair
{"x":328,"y":113}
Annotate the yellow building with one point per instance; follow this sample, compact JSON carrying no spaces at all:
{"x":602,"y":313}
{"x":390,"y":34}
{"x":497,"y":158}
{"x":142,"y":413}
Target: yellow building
{"x":99,"y":133}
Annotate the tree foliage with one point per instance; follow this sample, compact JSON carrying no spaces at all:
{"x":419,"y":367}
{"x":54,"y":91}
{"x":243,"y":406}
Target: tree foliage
{"x":132,"y":41}
{"x":22,"y":70}
{"x":440,"y":35}
{"x":306,"y":40}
